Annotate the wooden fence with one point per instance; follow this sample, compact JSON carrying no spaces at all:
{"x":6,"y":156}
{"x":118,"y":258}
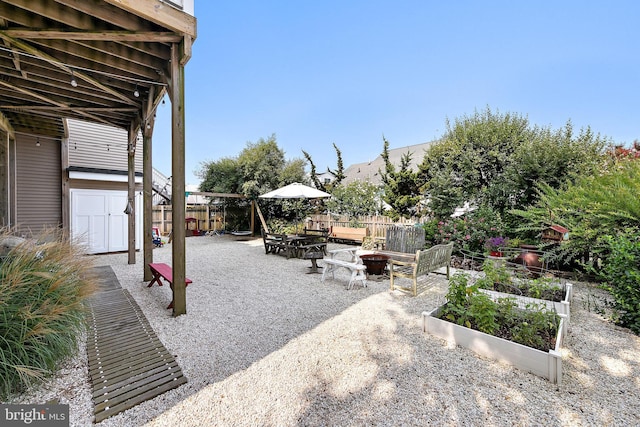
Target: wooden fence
{"x":208,"y":218}
{"x":377,"y":224}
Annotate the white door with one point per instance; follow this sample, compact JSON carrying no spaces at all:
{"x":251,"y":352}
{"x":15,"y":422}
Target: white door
{"x":118,"y":222}
{"x":98,"y":220}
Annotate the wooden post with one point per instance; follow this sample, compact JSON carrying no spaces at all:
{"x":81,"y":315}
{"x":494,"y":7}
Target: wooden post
{"x":163,"y":228}
{"x":4,"y":178}
{"x":262,"y":221}
{"x":131,"y":194}
{"x":253,"y":217}
{"x":178,"y":198}
{"x":147,"y":187}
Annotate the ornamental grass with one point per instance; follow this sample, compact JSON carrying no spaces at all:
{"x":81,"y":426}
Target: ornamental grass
{"x":42,"y":288}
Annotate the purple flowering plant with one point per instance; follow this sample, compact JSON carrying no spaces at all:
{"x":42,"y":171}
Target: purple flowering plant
{"x":496,"y":243}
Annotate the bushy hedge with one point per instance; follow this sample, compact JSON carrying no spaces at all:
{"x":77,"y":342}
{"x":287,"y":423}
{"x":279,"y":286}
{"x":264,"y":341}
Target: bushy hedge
{"x":621,"y":276}
{"x":42,"y":289}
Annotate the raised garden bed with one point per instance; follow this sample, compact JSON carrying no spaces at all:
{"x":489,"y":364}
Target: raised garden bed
{"x":546,"y":364}
{"x":558,"y":301}
{"x":500,"y":282}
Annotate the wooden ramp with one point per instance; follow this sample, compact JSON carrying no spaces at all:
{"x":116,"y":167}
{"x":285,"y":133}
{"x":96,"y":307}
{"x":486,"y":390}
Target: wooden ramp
{"x":127,"y":362}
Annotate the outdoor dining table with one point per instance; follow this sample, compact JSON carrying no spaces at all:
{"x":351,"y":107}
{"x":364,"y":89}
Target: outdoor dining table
{"x":307,"y":247}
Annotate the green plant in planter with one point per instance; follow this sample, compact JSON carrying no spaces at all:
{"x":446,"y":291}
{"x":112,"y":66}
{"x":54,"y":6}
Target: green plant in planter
{"x":494,"y":273}
{"x":537,"y":326}
{"x":498,"y":278}
{"x":467,"y":307}
{"x":483,"y":311}
{"x":542,"y":288}
{"x":459,"y":290}
{"x":534,"y":326}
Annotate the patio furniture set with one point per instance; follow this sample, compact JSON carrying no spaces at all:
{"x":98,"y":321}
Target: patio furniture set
{"x":398,"y":264}
{"x":311,"y":244}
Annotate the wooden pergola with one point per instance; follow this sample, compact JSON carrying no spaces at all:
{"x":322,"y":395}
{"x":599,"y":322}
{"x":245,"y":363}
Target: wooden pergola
{"x":108,"y":62}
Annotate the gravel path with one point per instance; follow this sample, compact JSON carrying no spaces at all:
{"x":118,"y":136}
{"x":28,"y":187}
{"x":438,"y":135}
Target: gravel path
{"x":264,"y":344}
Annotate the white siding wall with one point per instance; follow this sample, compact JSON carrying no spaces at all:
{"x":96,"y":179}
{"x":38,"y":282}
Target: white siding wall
{"x":93,"y":145}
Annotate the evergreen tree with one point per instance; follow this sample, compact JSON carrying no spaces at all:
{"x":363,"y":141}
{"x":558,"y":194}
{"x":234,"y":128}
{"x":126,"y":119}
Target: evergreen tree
{"x":401,"y":187}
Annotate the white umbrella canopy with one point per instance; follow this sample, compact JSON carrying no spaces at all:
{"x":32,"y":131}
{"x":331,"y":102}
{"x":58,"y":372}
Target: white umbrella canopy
{"x":295,"y":191}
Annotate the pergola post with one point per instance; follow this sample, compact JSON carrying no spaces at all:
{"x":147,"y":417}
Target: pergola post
{"x":178,"y":184}
{"x":130,"y":209}
{"x":147,"y":184}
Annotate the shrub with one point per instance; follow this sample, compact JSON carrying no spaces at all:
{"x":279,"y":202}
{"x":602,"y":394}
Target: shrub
{"x":42,"y":289}
{"x":469,"y":232}
{"x":621,"y":276}
{"x":604,"y":203}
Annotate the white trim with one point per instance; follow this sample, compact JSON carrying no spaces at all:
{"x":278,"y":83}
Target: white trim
{"x":92,"y":176}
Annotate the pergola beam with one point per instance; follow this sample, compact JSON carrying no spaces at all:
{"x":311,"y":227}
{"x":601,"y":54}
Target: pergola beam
{"x":52,"y":102}
{"x":160,"y":13}
{"x":53,"y":61}
{"x":115,"y":36}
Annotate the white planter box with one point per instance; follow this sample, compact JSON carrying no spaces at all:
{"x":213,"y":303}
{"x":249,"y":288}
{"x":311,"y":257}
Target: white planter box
{"x":562,"y":307}
{"x":545,"y":364}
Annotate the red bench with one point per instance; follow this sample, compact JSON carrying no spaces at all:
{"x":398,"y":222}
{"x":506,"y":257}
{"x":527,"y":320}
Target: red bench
{"x":162,"y":270}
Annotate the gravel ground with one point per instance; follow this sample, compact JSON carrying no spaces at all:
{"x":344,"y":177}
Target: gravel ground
{"x":264,"y":344}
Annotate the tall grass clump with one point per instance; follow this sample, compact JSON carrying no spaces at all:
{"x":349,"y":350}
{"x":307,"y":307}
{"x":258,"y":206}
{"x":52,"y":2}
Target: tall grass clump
{"x":42,"y":289}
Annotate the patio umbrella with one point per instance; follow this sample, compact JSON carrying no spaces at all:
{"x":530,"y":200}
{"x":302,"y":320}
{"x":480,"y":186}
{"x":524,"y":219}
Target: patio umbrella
{"x":295,"y":191}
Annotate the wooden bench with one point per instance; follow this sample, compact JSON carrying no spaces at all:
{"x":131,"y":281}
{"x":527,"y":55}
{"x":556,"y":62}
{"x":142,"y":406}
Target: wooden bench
{"x":274,"y":243}
{"x":320,"y":233}
{"x":162,"y":270}
{"x":358,"y":270}
{"x":348,"y":234}
{"x":426,"y":261}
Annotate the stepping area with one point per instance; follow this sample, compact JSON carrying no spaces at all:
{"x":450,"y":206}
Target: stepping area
{"x":127,"y":362}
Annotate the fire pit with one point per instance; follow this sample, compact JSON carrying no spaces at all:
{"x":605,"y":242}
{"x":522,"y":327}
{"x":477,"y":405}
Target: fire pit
{"x":375,"y":263}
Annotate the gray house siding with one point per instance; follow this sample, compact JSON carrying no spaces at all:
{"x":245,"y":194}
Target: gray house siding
{"x":99,"y":146}
{"x":38,"y":190}
{"x":4,"y":179}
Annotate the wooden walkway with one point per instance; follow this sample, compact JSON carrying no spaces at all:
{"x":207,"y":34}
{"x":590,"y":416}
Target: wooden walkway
{"x":127,"y":362}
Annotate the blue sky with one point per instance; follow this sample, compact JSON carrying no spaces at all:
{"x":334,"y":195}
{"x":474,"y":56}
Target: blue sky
{"x":348,"y":72}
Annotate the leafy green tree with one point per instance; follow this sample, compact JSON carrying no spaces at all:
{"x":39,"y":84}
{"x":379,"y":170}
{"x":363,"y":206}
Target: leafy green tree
{"x":221,"y":176}
{"x":293,"y":171}
{"x":470,"y":160}
{"x":554,"y":158}
{"x":354,"y":199}
{"x":498,"y":159}
{"x":260,"y":167}
{"x":401,"y":187}
{"x":262,"y":164}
